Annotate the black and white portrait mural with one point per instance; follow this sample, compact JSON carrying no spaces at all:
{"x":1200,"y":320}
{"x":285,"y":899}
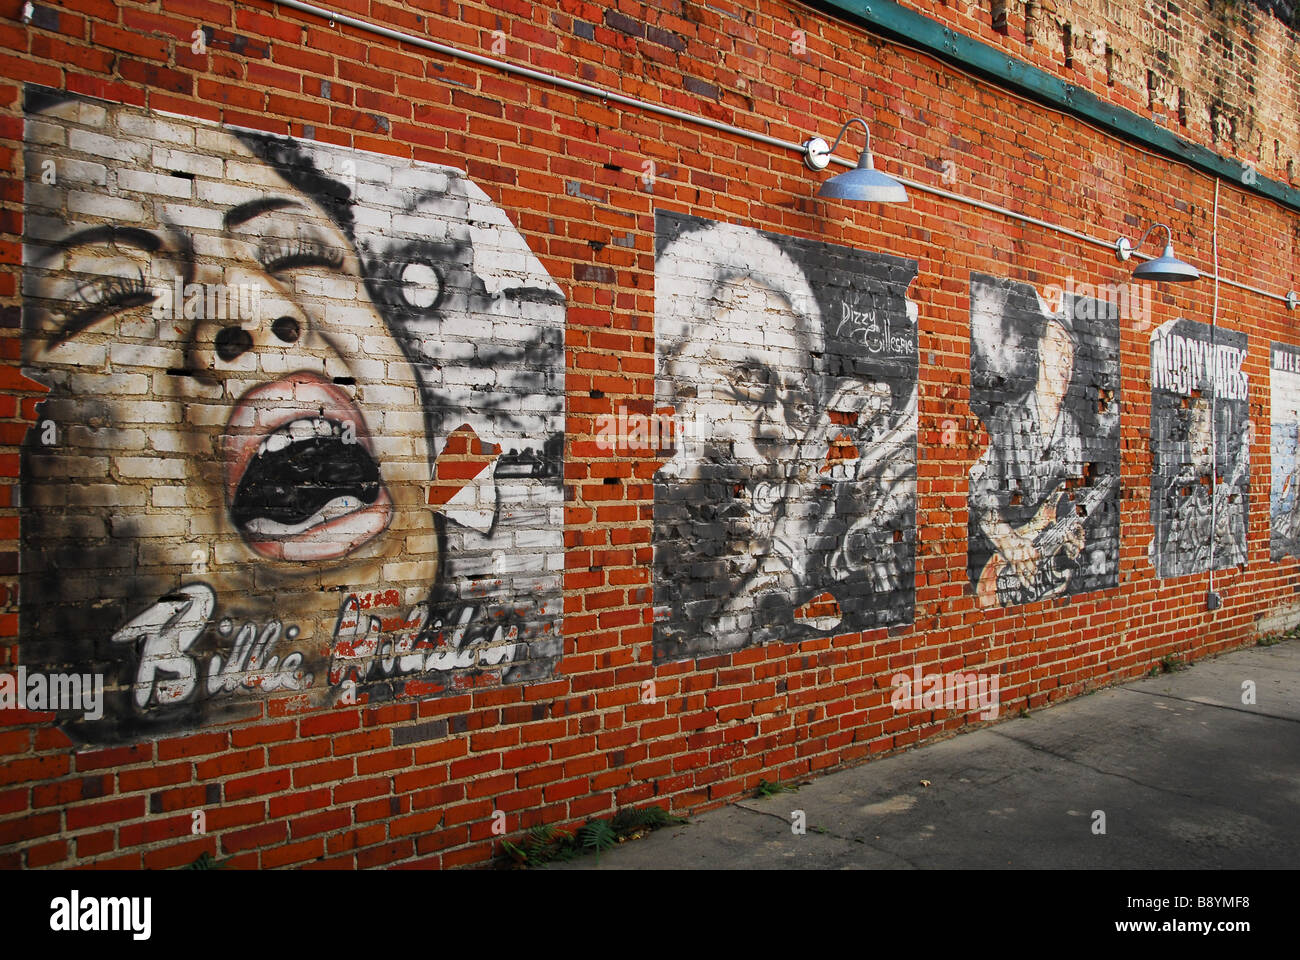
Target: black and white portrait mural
{"x":1284,"y":502}
{"x":303,"y":424}
{"x":1200,"y":437}
{"x":1044,"y":495}
{"x":786,"y":507}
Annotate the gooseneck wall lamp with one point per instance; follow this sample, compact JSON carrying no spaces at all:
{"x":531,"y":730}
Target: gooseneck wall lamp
{"x":1165,"y":268}
{"x":865,"y":183}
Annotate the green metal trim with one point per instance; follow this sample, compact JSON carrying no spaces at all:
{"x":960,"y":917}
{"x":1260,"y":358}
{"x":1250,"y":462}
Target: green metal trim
{"x":895,"y":21}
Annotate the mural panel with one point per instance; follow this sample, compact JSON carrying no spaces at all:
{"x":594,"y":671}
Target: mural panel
{"x":1044,"y":495}
{"x":1284,"y":505}
{"x":1200,"y":439}
{"x":786,"y":506}
{"x":303,"y":428}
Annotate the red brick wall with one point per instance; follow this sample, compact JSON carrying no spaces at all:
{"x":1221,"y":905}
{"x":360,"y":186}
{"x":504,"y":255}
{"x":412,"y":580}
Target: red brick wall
{"x":360,"y":786}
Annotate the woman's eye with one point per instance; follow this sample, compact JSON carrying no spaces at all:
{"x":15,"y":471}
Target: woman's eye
{"x":104,"y":291}
{"x":103,"y":297}
{"x":278,"y":255}
{"x":420,"y":286}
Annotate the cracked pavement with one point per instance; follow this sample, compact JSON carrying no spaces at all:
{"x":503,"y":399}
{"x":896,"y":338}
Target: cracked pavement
{"x":1186,"y":775}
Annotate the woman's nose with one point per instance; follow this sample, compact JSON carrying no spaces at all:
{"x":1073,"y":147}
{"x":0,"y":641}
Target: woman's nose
{"x":234,"y":340}
{"x":250,"y":327}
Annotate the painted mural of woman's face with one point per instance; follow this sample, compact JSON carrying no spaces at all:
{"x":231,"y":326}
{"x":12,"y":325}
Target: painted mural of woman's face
{"x":231,"y":407}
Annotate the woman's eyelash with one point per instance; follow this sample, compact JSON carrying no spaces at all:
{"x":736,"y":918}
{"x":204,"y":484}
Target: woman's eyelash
{"x":104,"y":297}
{"x":111,"y":289}
{"x":276,"y":255}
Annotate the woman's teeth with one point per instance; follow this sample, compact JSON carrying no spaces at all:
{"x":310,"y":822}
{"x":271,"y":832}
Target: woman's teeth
{"x":305,"y":429}
{"x":307,"y":472}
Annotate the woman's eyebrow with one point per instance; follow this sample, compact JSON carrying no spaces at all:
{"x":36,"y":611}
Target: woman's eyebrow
{"x":244,"y":212}
{"x":134,"y":236}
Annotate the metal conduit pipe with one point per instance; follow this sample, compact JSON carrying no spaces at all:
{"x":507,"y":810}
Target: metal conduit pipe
{"x":612,"y":96}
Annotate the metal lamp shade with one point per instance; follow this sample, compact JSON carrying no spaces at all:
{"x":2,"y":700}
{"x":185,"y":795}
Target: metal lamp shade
{"x":865,"y":183}
{"x":1167,"y":268}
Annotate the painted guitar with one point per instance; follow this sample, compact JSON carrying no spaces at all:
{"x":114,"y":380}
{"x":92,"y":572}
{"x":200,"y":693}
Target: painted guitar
{"x":1000,"y":585}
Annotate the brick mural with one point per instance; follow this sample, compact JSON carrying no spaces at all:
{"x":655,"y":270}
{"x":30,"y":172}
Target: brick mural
{"x":787,"y":507}
{"x":1044,"y":495}
{"x":1284,"y":414}
{"x":303,"y":401}
{"x":1201,"y":433}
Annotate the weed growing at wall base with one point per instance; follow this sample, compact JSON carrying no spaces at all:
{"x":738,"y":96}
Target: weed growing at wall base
{"x":544,"y":843}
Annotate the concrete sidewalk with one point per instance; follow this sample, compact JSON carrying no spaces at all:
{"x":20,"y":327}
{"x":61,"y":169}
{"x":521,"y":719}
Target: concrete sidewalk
{"x":1187,"y":776}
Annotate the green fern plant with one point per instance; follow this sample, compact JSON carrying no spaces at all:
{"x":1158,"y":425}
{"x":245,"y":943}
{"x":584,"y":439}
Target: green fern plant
{"x":596,"y":836}
{"x":766,"y":789}
{"x":515,"y":852}
{"x":628,"y":822}
{"x":541,"y":844}
{"x":1172,"y":663}
{"x":545,"y":844}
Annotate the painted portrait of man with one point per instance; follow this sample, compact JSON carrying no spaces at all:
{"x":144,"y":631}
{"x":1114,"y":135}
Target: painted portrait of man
{"x":794,"y":462}
{"x":1044,"y":491}
{"x":1201,"y":434}
{"x":1284,"y":402}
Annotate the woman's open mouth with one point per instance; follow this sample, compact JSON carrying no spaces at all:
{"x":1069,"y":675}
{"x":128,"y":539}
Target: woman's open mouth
{"x":302,"y":482}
